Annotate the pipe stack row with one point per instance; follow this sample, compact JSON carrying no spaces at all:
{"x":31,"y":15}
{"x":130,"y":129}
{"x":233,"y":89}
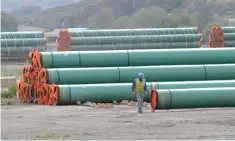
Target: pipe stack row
{"x":128,"y":39}
{"x":57,"y":78}
{"x":221,"y":37}
{"x":15,"y":45}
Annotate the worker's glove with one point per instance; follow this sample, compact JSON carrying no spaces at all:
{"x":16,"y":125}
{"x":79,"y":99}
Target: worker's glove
{"x":133,"y":93}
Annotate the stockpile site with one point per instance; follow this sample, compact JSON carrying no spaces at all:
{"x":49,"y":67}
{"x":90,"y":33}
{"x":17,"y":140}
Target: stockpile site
{"x":83,"y":90}
{"x":86,"y":85}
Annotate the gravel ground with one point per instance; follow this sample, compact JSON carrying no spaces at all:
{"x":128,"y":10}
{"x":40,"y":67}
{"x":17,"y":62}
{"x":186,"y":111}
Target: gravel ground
{"x":120,"y":122}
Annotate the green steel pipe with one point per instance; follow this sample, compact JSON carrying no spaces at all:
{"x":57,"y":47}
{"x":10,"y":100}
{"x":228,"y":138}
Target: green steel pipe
{"x":179,"y":72}
{"x":133,"y":32}
{"x":193,"y":84}
{"x":195,"y":98}
{"x":164,"y":73}
{"x":229,"y":36}
{"x":229,"y":29}
{"x":104,"y":59}
{"x":224,"y":72}
{"x":229,"y":43}
{"x":70,"y":94}
{"x":77,"y":59}
{"x":128,"y":74}
{"x":182,"y":56}
{"x":68,"y":59}
{"x":23,"y":42}
{"x":83,"y":75}
{"x":102,"y":40}
{"x":169,"y":45}
{"x":27,"y":49}
{"x":20,"y":35}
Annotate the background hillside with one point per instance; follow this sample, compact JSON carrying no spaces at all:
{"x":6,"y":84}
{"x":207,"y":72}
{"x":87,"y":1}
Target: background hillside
{"x":126,"y":13}
{"x":8,"y":5}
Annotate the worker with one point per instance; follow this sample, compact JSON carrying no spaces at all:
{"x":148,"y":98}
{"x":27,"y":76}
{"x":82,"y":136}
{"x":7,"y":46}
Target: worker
{"x":139,"y":89}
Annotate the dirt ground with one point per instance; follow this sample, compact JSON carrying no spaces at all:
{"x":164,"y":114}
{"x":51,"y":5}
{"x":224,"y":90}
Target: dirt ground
{"x":121,"y":122}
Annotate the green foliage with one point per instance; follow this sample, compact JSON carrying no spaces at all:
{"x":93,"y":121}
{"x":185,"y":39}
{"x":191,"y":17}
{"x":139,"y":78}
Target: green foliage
{"x":8,"y":22}
{"x":134,"y":14}
{"x":24,"y":11}
{"x":144,"y":18}
{"x":176,"y":20}
{"x":15,"y":4}
{"x":10,"y":92}
{"x":102,"y":19}
{"x":123,"y":22}
{"x":149,"y":17}
{"x":8,"y":97}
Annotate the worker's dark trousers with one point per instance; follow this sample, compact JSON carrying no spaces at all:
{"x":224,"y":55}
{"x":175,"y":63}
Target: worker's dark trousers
{"x":140,"y":99}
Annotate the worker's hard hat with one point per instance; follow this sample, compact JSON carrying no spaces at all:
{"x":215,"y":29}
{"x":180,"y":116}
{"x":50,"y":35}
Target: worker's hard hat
{"x":141,"y":75}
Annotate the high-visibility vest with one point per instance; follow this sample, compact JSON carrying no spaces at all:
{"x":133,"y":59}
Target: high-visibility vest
{"x":139,"y":86}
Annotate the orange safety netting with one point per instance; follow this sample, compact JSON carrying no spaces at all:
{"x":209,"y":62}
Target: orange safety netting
{"x":32,"y":87}
{"x":63,"y":41}
{"x":54,"y":94}
{"x":216,"y":37}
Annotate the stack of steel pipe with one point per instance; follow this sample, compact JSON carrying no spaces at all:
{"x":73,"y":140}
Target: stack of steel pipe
{"x":57,"y":78}
{"x":222,"y":37}
{"x":17,"y":45}
{"x":70,"y":94}
{"x":121,"y":39}
{"x":201,"y":97}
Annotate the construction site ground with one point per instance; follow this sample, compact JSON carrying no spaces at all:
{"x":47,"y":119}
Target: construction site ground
{"x":28,"y":121}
